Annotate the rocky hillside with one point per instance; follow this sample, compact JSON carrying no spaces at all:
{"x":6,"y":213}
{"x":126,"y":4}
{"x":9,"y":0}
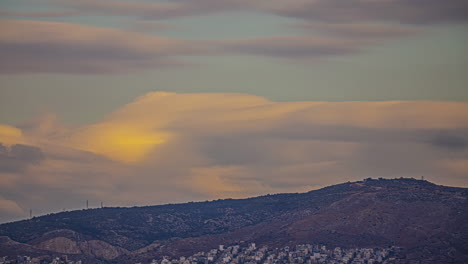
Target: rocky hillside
{"x":429,"y":221}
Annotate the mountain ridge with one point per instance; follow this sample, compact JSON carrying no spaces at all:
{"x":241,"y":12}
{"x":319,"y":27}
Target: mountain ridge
{"x":415,"y":214}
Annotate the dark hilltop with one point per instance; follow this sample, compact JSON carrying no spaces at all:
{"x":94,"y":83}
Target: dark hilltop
{"x":429,"y":222}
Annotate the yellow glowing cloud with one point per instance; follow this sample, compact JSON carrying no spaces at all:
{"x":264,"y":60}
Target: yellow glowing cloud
{"x":130,"y":133}
{"x":10,"y":135}
{"x":121,"y":142}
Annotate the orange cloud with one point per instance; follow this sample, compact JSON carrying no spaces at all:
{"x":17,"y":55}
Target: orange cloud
{"x":122,"y":142}
{"x":10,"y":135}
{"x":133,"y":131}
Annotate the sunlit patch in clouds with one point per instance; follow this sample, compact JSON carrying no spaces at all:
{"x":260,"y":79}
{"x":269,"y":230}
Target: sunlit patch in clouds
{"x":10,"y":134}
{"x":119,"y":141}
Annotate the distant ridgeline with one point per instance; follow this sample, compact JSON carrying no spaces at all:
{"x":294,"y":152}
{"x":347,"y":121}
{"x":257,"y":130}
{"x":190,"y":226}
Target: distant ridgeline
{"x":427,"y":221}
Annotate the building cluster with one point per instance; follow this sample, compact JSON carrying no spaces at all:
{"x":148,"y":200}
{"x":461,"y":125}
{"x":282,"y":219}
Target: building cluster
{"x":300,"y":254}
{"x":251,"y":254}
{"x":32,"y":260}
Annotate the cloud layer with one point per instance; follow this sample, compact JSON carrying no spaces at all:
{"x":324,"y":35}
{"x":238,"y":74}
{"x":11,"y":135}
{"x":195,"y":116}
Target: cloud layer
{"x":38,"y":46}
{"x":17,"y":157}
{"x":56,"y":47}
{"x":327,"y":28}
{"x":168,"y":147}
{"x":401,"y":11}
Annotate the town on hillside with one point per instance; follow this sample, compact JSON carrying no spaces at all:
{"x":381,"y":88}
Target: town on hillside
{"x":251,"y":254}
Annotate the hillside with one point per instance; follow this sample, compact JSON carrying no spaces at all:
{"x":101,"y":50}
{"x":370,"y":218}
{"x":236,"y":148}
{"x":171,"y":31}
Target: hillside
{"x":429,"y":221}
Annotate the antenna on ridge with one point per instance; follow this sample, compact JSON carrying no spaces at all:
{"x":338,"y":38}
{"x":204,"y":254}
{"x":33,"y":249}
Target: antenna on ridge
{"x":101,"y":205}
{"x":87,"y":204}
{"x":30,"y":213}
{"x":422,"y":178}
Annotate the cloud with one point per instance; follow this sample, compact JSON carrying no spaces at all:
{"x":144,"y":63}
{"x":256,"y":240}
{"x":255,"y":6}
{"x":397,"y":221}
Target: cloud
{"x":329,"y":28}
{"x":17,"y":157}
{"x":292,"y":46}
{"x":451,"y":142}
{"x":156,"y":10}
{"x":10,"y":134}
{"x":57,"y":47}
{"x":359,"y":30}
{"x":38,"y":14}
{"x":123,"y":8}
{"x":398,"y":11}
{"x":9,"y":208}
{"x":40,"y":47}
{"x":343,"y":11}
{"x":46,"y":47}
{"x":169,"y":147}
{"x":149,"y":26}
{"x":123,"y":142}
{"x":218,"y":181}
{"x":459,"y":166}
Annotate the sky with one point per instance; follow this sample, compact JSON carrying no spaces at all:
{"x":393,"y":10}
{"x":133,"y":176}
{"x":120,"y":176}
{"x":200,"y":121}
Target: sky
{"x":151,"y":102}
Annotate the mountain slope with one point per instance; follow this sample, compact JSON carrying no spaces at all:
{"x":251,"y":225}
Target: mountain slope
{"x":429,"y":221}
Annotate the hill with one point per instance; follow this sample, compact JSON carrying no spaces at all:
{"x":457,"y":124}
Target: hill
{"x":430,"y":222}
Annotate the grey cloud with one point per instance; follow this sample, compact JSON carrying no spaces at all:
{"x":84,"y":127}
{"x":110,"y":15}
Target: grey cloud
{"x":64,"y":58}
{"x":148,"y":26}
{"x":232,"y":150}
{"x":403,"y":11}
{"x":292,"y":47}
{"x":450,"y":141}
{"x":157,"y":9}
{"x":359,"y":30}
{"x":38,"y":14}
{"x":244,"y":149}
{"x":350,"y":27}
{"x":293,"y":155}
{"x":41,"y":47}
{"x":451,"y":138}
{"x":18,"y":157}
